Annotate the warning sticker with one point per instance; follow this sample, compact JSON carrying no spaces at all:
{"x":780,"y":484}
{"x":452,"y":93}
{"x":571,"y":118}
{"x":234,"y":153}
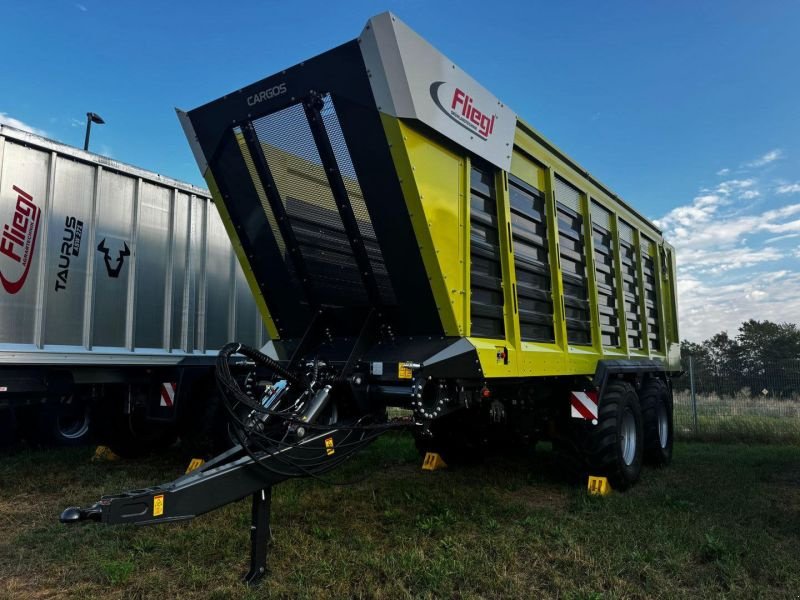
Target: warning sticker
{"x":158,"y":505}
{"x":329,"y":446}
{"x":404,"y":371}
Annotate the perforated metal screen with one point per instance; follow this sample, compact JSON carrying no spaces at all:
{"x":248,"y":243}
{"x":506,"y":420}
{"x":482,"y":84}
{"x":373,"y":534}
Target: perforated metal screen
{"x":301,"y":182}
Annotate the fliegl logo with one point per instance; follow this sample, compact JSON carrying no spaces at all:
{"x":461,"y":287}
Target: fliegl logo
{"x":460,"y":106}
{"x":18,"y":242}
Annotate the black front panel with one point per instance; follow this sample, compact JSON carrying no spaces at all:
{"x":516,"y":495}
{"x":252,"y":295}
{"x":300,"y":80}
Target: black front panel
{"x":630,"y":288}
{"x":651,"y":300}
{"x":486,"y":274}
{"x":606,"y":278}
{"x":531,"y":263}
{"x":305,"y":171}
{"x":299,"y":173}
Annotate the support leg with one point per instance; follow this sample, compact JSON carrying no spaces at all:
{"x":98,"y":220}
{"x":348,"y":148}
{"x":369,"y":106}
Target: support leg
{"x":260,"y":535}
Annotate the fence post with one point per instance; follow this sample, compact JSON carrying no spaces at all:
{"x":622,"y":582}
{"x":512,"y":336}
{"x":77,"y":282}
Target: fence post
{"x":694,"y":397}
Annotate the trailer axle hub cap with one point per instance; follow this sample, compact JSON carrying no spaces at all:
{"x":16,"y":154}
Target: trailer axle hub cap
{"x":663,"y":425}
{"x":627,"y":437}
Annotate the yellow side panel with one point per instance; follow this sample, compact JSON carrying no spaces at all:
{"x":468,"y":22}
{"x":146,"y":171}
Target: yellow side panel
{"x":528,"y":171}
{"x":272,"y":330}
{"x":433,"y":180}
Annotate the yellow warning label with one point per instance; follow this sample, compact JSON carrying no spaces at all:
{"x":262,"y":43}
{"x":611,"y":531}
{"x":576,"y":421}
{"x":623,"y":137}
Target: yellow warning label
{"x":196,"y":463}
{"x":329,"y":446}
{"x":404,"y":371}
{"x":158,"y":505}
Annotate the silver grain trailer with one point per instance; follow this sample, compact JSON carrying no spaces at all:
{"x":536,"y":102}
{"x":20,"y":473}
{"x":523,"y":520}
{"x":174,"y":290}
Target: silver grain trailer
{"x":117,"y":287}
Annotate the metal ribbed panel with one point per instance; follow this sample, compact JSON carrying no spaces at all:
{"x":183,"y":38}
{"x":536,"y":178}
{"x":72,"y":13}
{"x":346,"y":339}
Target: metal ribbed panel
{"x":531,"y":262}
{"x":486,"y":275}
{"x":647,"y":245}
{"x":573,"y":274}
{"x":625,"y":232}
{"x":651,"y":300}
{"x":606,"y":279}
{"x":600,"y":215}
{"x":630,"y":288}
{"x":568,"y":195}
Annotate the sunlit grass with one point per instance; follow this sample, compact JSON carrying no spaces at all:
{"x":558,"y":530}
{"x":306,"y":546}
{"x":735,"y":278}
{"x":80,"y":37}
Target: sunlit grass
{"x":722,"y":521}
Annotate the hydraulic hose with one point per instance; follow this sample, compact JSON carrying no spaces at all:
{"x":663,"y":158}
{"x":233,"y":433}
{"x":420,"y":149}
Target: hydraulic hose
{"x":259,"y":357}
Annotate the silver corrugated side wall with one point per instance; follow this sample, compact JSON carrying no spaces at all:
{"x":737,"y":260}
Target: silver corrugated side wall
{"x":104,"y":262}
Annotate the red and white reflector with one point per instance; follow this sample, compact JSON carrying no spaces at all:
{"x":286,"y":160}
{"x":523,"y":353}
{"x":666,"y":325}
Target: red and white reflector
{"x":168,"y":394}
{"x":584,"y":405}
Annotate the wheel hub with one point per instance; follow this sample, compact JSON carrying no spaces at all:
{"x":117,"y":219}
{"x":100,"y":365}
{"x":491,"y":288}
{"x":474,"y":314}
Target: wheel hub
{"x":627,"y":437}
{"x":663,"y":425}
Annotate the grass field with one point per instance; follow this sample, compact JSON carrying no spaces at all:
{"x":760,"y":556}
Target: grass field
{"x":738,"y":418}
{"x":723,"y":521}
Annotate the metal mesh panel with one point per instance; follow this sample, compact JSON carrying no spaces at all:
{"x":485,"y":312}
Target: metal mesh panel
{"x":356,"y":196}
{"x":262,"y":196}
{"x":291,"y":153}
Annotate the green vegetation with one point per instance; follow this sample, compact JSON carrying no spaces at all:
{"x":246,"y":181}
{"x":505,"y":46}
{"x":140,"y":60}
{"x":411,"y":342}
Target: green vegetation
{"x":738,"y":418}
{"x":724,"y":520}
{"x":762,"y":361}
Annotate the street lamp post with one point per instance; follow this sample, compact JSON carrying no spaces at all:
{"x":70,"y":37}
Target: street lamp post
{"x":91,"y":118}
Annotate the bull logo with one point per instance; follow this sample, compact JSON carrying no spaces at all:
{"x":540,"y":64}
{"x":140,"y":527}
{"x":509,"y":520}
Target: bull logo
{"x":113,"y":271}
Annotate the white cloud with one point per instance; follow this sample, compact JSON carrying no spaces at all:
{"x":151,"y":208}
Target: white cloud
{"x":722,"y":172}
{"x":707,"y":307}
{"x":789,"y":188}
{"x":782,"y":237}
{"x":16,"y":123}
{"x":81,"y":7}
{"x":735,"y":246}
{"x":769,"y":157}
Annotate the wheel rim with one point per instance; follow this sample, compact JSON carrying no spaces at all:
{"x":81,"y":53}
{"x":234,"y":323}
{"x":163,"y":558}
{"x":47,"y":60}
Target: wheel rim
{"x":663,"y":425}
{"x":73,"y":425}
{"x":627,"y":437}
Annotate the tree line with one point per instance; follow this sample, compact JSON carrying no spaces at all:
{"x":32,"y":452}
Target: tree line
{"x":762,"y":359}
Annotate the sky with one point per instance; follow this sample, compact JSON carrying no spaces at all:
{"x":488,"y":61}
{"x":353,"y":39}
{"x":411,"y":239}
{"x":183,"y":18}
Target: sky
{"x":690,"y":111}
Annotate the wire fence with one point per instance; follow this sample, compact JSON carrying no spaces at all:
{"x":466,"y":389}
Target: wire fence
{"x":738,"y":400}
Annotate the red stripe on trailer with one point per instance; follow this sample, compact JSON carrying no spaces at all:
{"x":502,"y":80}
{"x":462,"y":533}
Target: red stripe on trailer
{"x":579,"y":411}
{"x":584,"y":405}
{"x":168,"y":394}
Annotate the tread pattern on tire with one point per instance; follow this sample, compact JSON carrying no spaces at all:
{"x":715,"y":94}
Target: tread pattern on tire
{"x":652,"y":391}
{"x":601,"y":449}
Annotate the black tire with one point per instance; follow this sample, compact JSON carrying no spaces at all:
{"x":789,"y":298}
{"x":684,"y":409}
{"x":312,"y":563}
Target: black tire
{"x":66,"y":424}
{"x":131,"y":435}
{"x":609,"y":450}
{"x":656,"y":401}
